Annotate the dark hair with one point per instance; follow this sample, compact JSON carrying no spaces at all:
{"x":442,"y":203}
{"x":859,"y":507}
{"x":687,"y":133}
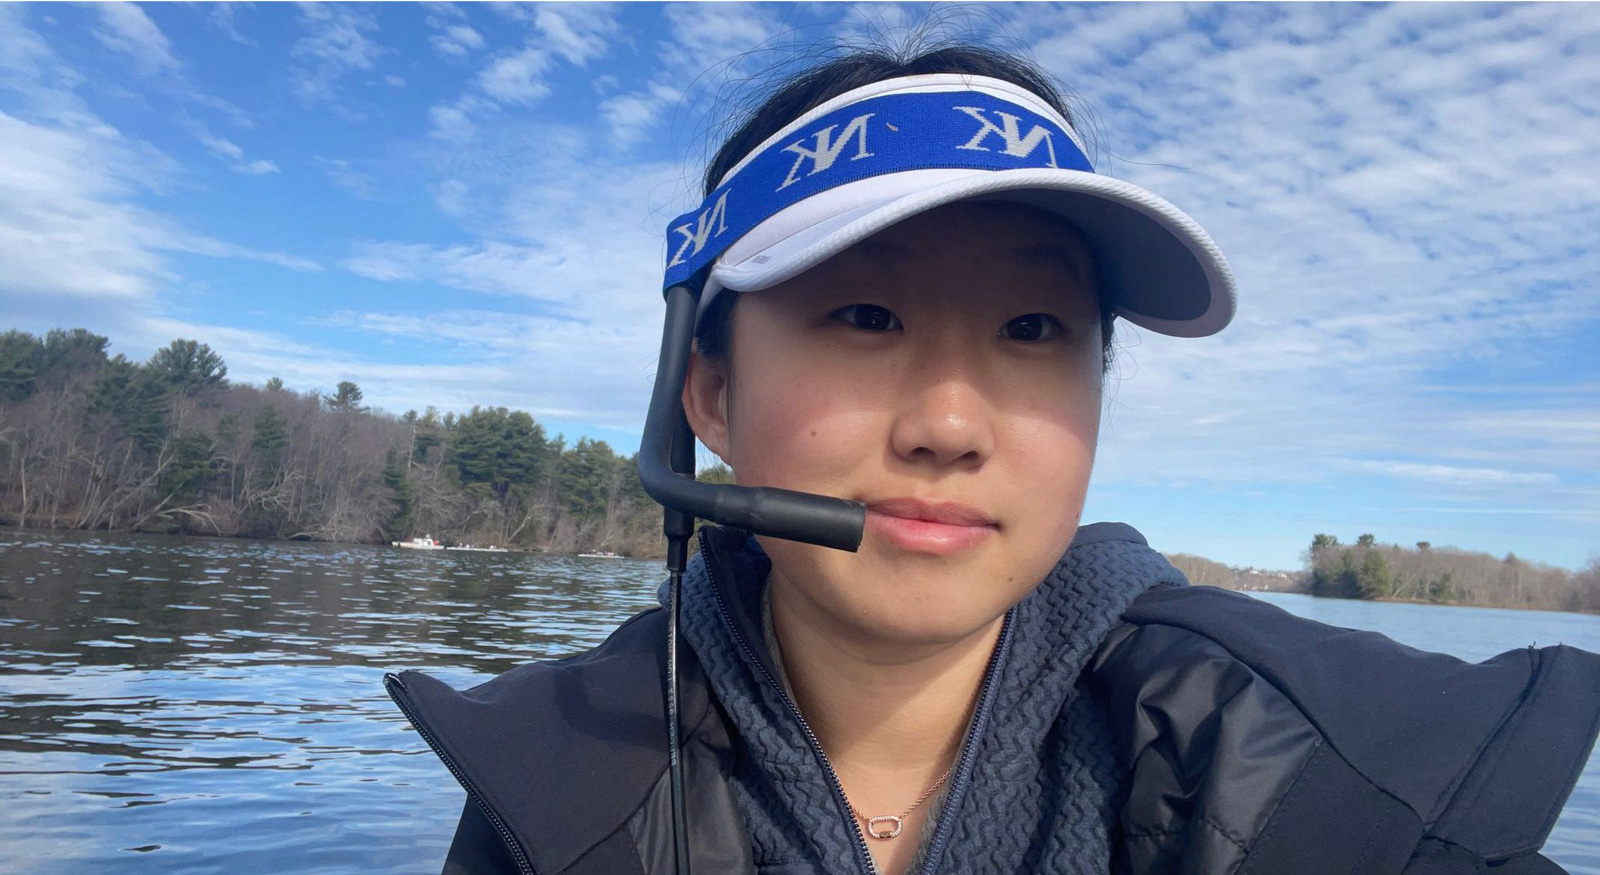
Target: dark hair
{"x":814,"y":87}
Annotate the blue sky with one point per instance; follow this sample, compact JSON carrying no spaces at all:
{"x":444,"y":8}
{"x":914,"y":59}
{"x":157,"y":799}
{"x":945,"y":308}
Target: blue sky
{"x":458,"y":205}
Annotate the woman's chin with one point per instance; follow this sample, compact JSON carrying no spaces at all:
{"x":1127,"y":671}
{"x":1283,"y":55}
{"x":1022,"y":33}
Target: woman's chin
{"x":924,"y":616}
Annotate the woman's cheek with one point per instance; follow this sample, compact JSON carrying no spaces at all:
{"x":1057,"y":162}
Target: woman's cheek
{"x":809,"y":433}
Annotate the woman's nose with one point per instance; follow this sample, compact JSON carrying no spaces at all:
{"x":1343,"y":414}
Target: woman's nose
{"x":945,"y":421}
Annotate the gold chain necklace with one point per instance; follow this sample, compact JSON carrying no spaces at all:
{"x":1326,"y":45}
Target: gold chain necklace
{"x":896,"y":822}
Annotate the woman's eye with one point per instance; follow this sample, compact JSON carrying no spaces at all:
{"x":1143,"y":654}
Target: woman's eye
{"x":1032,"y":328}
{"x":868,"y":317}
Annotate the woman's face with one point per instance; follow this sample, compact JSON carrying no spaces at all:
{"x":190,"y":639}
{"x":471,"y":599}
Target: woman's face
{"x":947,"y":373}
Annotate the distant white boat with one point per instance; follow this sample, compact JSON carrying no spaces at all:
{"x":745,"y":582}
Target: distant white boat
{"x":425,"y":542}
{"x":467,"y":548}
{"x":601,"y":554}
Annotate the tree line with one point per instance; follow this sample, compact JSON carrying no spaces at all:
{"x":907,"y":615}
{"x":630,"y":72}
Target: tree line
{"x":1209,"y":572}
{"x":91,"y":441}
{"x":1424,"y":573}
{"x":1370,"y":570}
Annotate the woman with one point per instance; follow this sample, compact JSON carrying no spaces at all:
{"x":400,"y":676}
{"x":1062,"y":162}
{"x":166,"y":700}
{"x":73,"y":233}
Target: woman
{"x":909,"y":275}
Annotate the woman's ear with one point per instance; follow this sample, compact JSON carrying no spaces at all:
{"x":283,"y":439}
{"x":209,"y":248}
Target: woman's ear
{"x":705,"y":400}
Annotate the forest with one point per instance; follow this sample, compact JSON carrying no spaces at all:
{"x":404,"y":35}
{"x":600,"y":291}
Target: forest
{"x":91,"y":441}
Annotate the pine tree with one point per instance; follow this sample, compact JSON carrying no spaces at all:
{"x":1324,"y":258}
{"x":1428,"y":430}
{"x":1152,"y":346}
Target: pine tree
{"x":188,"y":367}
{"x":1347,"y":584}
{"x":271,"y":436}
{"x":505,"y":450}
{"x":1373,"y":580}
{"x":192,"y":467}
{"x":21,"y":359}
{"x":585,"y":476}
{"x":133,"y":398}
{"x":346,"y":398}
{"x":398,"y":526}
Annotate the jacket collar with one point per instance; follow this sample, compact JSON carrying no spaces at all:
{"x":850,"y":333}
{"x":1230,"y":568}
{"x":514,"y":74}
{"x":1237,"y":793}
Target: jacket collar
{"x":559,"y":755}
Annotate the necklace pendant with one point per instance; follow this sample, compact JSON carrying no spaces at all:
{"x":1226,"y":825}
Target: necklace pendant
{"x":874,"y":824}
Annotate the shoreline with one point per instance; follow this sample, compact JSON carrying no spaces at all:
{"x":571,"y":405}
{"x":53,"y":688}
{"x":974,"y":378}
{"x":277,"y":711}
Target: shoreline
{"x":1398,"y":601}
{"x":133,"y":533}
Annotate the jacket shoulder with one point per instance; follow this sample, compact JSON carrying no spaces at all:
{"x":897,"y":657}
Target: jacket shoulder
{"x":556,"y":756}
{"x":1208,"y":687}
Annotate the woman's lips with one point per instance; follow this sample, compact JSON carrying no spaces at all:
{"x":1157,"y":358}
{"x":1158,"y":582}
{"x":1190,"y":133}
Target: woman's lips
{"x":936,"y":527}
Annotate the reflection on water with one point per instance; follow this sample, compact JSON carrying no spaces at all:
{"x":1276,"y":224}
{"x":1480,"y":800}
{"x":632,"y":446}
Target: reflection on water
{"x":189,"y":705}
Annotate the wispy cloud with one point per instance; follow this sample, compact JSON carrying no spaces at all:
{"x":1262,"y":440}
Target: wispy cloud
{"x":231,"y":151}
{"x":578,"y":32}
{"x":125,"y":28}
{"x":632,"y":116}
{"x":501,"y":346}
{"x":199,"y":244}
{"x":707,"y":55}
{"x":454,"y":122}
{"x":345,"y":175}
{"x":225,"y":148}
{"x":517,"y":77}
{"x":456,"y":40}
{"x":1451,"y":475}
{"x":335,"y":44}
{"x":223,"y":18}
{"x":72,"y":225}
{"x":575,"y":33}
{"x":702,"y":35}
{"x":255,"y":356}
{"x":67,"y":221}
{"x":258,"y":167}
{"x":22,"y":52}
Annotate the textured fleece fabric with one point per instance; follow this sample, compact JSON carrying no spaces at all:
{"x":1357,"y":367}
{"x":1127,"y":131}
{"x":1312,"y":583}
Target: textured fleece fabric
{"x":1044,"y":787}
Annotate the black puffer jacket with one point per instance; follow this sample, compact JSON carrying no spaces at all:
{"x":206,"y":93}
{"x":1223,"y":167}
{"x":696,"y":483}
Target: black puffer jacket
{"x":1257,"y":742}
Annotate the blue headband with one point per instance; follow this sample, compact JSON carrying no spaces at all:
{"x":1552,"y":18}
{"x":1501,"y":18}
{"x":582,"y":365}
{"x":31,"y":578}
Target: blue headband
{"x":871,"y":137}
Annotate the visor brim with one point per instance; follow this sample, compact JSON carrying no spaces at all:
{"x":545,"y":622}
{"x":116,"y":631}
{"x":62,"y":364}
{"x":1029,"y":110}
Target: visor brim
{"x":1161,"y":270}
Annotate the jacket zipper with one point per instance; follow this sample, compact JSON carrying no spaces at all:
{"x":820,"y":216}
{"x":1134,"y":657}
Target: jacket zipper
{"x":963,"y":763}
{"x":945,"y":826}
{"x":393,"y":683}
{"x":863,"y":856}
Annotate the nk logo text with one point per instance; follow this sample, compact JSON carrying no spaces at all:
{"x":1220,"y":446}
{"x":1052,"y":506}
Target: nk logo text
{"x":708,"y":224}
{"x":1009,"y":131}
{"x":826,"y":149}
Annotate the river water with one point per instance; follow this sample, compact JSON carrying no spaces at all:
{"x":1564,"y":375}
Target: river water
{"x":183,"y":705}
